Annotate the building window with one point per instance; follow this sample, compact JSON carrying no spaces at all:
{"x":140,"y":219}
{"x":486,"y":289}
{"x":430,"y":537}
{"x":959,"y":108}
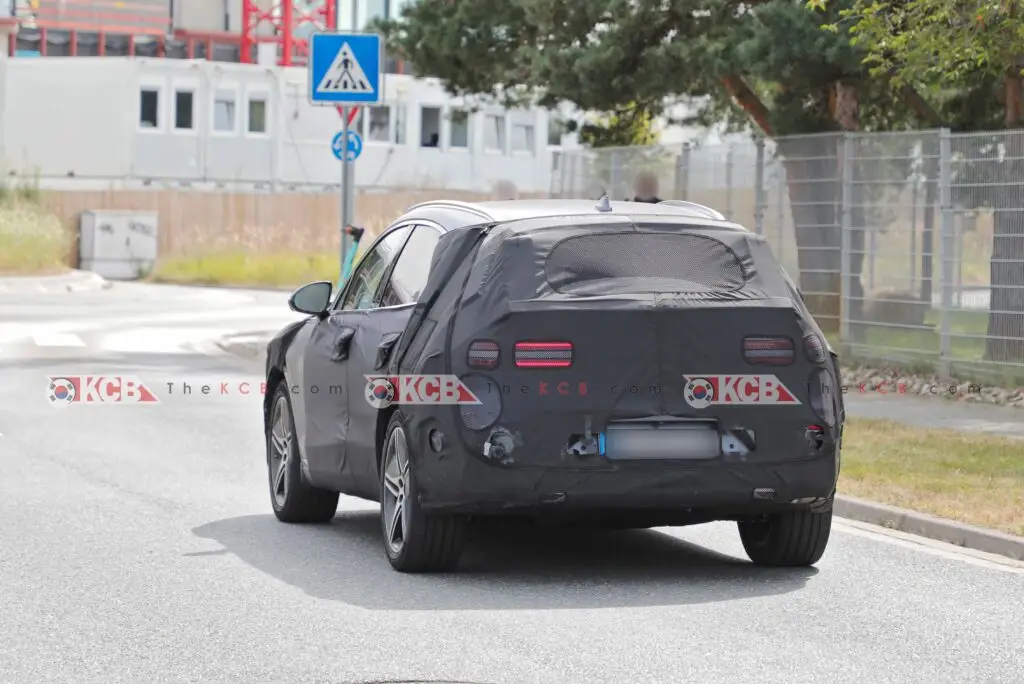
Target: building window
{"x":378,"y":124}
{"x":149,"y":108}
{"x":494,"y":132}
{"x":257,"y":114}
{"x":556,"y":129}
{"x":459,"y":134}
{"x":183,"y":110}
{"x":430,"y":126}
{"x":400,"y":124}
{"x":522,"y":138}
{"x":224,"y":112}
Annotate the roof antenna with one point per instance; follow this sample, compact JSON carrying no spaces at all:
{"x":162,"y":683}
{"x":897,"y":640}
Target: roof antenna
{"x":604,"y":204}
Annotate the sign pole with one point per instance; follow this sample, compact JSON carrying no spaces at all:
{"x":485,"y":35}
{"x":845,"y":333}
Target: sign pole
{"x":345,"y":71}
{"x":347,"y":187}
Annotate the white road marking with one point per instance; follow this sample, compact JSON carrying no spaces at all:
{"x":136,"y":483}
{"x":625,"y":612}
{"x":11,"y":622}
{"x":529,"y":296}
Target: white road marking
{"x":57,"y":340}
{"x":159,"y":340}
{"x":11,"y":332}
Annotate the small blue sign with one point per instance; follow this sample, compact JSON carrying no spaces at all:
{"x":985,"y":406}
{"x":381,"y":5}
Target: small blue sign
{"x":345,"y":68}
{"x":355,"y":145}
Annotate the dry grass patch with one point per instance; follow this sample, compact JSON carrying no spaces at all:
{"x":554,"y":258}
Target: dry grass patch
{"x":290,"y":269}
{"x":32,"y":240}
{"x":973,"y":478}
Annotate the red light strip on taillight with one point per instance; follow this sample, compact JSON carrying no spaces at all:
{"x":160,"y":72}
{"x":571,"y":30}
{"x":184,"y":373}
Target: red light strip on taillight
{"x":543,"y":354}
{"x":768,"y":351}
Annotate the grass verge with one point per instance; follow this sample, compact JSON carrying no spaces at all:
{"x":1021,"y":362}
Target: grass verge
{"x":969,"y":477}
{"x":32,"y":240}
{"x":248,"y":270}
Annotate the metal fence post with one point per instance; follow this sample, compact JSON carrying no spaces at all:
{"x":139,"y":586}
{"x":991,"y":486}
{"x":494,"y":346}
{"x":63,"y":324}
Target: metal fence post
{"x":780,"y":212}
{"x":728,"y":181}
{"x":683,"y":173}
{"x":846,"y":241}
{"x":759,"y":199}
{"x":615,"y":177}
{"x":946,"y":247}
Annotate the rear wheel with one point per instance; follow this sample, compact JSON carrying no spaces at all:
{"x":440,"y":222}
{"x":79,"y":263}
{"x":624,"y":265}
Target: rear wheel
{"x":414,"y":542}
{"x":789,"y":539}
{"x":294,"y":500}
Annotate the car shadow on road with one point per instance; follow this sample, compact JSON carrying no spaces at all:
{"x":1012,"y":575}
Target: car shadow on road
{"x":520,"y":568}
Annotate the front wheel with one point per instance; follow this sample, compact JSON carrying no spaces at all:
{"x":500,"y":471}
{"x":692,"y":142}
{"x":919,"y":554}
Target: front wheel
{"x":413,"y":541}
{"x":789,"y":539}
{"x":294,"y":500}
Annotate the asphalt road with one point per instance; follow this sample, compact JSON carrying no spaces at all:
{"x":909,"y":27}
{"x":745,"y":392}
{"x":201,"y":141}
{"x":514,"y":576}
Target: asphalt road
{"x":138,"y":545}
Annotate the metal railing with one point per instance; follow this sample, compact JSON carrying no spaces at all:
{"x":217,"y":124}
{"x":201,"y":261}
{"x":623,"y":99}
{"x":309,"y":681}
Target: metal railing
{"x":908,"y":247}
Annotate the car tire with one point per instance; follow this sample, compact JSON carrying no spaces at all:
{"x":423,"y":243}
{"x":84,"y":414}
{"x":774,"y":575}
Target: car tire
{"x":413,"y":541}
{"x":293,"y":498}
{"x":790,"y":539}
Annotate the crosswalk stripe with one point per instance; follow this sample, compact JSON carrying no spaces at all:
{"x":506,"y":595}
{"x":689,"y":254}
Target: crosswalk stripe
{"x":159,"y":340}
{"x":57,"y":340}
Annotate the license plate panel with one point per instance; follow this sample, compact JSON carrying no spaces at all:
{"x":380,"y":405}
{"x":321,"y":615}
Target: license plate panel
{"x":662,"y":441}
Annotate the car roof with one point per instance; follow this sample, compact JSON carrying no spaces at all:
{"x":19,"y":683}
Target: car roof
{"x":453,"y":214}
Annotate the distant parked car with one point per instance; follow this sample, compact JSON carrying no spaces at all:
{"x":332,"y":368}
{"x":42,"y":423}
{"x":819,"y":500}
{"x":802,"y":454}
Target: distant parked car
{"x":617,"y":363}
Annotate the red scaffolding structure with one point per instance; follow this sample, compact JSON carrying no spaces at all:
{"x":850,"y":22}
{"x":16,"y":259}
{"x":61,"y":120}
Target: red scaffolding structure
{"x":283,"y":20}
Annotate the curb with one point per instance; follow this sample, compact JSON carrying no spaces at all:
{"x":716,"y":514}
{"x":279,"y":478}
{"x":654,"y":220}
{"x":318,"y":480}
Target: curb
{"x":251,"y":346}
{"x":932,"y":527}
{"x":73,"y":281}
{"x":221,"y":286}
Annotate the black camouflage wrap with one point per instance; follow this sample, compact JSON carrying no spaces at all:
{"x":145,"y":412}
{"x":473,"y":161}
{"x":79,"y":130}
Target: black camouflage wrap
{"x":553,"y":279}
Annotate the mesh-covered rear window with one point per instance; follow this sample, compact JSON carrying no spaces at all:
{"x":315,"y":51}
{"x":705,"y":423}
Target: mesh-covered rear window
{"x":644,"y":262}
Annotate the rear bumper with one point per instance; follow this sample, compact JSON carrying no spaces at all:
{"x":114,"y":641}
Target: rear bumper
{"x":468,"y":484}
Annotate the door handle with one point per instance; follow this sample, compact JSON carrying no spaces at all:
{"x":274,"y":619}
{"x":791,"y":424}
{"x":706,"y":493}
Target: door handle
{"x":342,"y":344}
{"x":384,"y":349}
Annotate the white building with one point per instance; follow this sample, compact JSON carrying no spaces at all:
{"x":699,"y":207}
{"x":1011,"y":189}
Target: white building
{"x":194,"y":121}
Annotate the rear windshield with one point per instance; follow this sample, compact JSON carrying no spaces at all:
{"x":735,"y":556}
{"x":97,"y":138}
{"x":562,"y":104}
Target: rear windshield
{"x":631,"y":262}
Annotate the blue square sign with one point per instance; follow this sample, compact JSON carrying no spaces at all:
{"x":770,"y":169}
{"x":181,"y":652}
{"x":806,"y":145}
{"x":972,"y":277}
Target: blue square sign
{"x":344,"y":68}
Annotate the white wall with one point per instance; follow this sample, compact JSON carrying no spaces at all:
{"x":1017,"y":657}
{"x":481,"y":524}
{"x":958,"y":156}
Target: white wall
{"x":80,"y":117}
{"x":66,"y":117}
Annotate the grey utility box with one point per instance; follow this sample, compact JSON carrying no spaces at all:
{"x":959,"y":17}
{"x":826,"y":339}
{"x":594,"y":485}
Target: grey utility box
{"x":118,"y":245}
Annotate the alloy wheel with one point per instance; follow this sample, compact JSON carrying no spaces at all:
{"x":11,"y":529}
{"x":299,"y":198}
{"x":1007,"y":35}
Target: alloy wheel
{"x":280,"y":450}
{"x":396,"y":491}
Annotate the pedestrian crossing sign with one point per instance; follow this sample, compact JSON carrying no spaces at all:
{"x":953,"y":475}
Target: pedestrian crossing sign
{"x":345,"y":68}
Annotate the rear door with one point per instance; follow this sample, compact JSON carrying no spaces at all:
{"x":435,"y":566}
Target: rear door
{"x":375,"y":338}
{"x":322,"y":394}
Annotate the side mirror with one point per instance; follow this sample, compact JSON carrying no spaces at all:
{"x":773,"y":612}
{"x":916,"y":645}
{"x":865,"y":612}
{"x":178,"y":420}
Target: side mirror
{"x":312,"y":299}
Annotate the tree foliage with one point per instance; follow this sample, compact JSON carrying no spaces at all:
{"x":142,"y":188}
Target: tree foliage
{"x":631,"y":127}
{"x":623,"y":56}
{"x":933,"y":41}
{"x":957,"y":51}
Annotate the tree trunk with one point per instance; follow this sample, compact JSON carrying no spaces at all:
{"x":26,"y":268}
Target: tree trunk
{"x":814,"y":175}
{"x":1005,"y":341}
{"x":846,"y":111}
{"x":811,"y":164}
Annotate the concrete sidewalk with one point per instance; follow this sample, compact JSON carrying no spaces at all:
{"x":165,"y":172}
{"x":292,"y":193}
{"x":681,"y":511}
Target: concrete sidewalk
{"x":938,"y":413}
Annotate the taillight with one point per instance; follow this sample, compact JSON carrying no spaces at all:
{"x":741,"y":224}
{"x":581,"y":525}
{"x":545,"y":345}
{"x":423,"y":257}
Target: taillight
{"x":543,"y":354}
{"x":768,"y":351}
{"x":815,"y":350}
{"x":821,"y":390}
{"x":483,"y":354}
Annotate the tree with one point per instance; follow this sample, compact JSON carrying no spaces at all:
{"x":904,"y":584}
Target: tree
{"x":971,"y":55}
{"x":764,"y":62}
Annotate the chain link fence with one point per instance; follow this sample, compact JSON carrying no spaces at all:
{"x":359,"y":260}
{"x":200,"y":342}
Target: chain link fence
{"x":908,"y":247}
